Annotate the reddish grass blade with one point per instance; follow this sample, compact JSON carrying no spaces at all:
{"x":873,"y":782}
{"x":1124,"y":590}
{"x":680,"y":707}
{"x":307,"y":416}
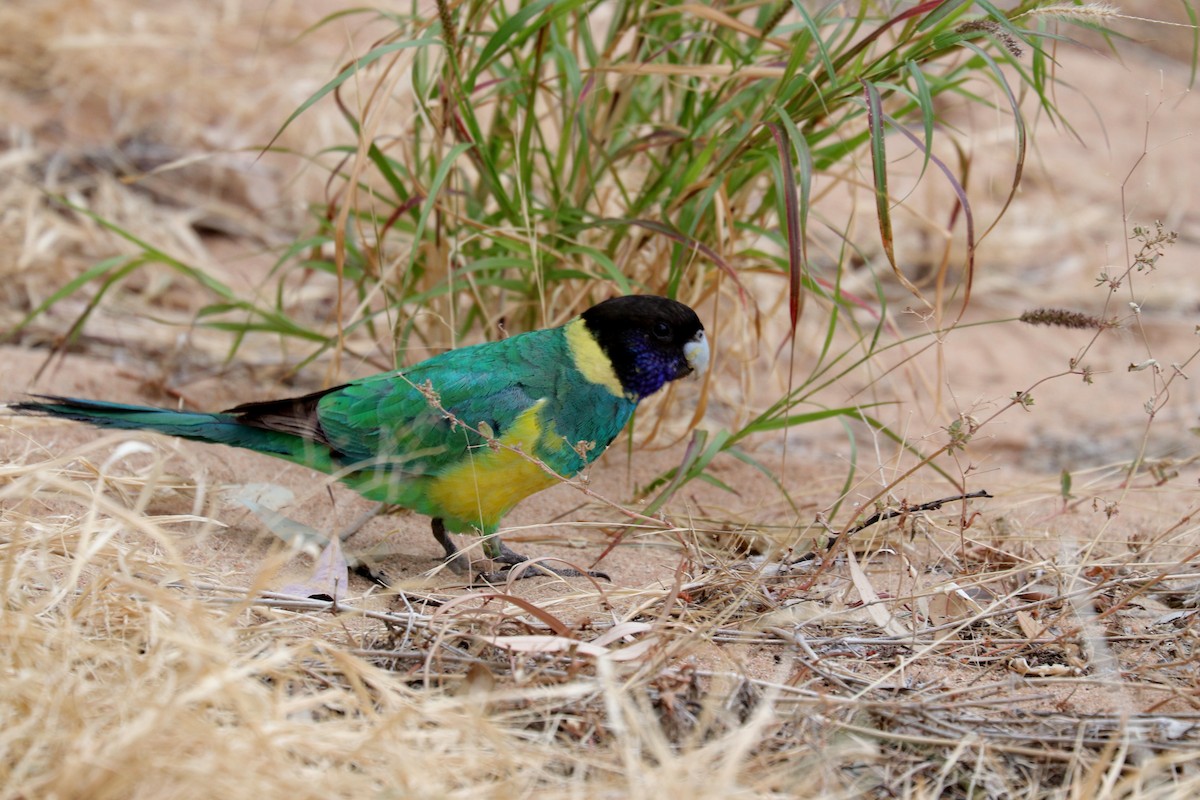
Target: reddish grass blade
{"x":794,"y":235}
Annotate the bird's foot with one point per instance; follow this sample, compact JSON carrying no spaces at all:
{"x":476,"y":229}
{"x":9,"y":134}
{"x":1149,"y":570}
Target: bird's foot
{"x":518,"y":568}
{"x":362,"y":520}
{"x":458,"y":561}
{"x":461,"y":565}
{"x":371,"y":572}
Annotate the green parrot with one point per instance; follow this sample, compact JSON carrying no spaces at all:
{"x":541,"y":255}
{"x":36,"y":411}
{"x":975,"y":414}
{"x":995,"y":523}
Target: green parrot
{"x":452,"y":436}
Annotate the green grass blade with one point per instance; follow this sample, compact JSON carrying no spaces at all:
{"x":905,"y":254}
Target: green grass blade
{"x":941,"y":12}
{"x":343,"y":76}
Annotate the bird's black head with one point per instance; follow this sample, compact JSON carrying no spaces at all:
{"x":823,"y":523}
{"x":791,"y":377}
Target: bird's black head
{"x":649,"y":340}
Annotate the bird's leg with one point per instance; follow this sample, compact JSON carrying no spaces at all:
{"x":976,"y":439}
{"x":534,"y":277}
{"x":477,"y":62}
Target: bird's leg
{"x":459,"y":562}
{"x":501,"y":553}
{"x":358,"y":524}
{"x":361,"y":564}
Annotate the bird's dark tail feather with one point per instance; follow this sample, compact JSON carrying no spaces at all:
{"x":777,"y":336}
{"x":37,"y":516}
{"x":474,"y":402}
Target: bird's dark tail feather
{"x":214,"y":428}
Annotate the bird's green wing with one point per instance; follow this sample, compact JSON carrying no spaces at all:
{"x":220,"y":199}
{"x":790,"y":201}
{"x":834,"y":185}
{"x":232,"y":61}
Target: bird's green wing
{"x":410,"y":419}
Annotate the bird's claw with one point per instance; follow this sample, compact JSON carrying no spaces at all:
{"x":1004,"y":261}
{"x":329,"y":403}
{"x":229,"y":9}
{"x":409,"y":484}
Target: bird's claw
{"x":514,"y":559}
{"x":371,"y":573}
{"x":461,"y":565}
{"x":537,"y":570}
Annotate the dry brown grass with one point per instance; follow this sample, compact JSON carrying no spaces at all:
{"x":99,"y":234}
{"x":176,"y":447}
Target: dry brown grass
{"x":1019,"y":658}
{"x":1047,"y":649}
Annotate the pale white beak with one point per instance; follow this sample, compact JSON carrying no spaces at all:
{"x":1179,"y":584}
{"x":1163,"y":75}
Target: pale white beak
{"x":696,"y":353}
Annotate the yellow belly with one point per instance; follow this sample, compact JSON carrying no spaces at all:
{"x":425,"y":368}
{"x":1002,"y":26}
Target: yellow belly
{"x":484,"y":487}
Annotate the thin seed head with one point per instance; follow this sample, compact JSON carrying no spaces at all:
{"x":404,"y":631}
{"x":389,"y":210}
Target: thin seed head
{"x":449,"y":32}
{"x":993,"y":28}
{"x":1061,"y":318}
{"x":1091,"y":10}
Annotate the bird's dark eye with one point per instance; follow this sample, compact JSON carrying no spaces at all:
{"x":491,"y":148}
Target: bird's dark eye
{"x":662,"y":330}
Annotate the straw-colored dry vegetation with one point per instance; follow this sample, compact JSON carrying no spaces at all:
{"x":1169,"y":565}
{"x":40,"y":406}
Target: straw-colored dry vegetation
{"x":792,"y":612}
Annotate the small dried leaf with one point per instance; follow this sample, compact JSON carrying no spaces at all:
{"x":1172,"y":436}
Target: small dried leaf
{"x":1030,"y":628}
{"x":879,"y":613}
{"x":562,"y":644}
{"x":620,"y":631}
{"x":264,"y":500}
{"x":124,"y":450}
{"x":547,"y":644}
{"x":479,"y":680}
{"x":1172,"y":617}
{"x":329,"y":576}
{"x":1022,"y":667}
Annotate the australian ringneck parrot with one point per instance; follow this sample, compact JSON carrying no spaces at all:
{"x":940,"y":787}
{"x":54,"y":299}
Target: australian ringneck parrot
{"x":451,"y":436}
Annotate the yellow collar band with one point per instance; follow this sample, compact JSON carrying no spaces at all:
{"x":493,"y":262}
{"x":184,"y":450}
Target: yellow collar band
{"x":590,"y":358}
